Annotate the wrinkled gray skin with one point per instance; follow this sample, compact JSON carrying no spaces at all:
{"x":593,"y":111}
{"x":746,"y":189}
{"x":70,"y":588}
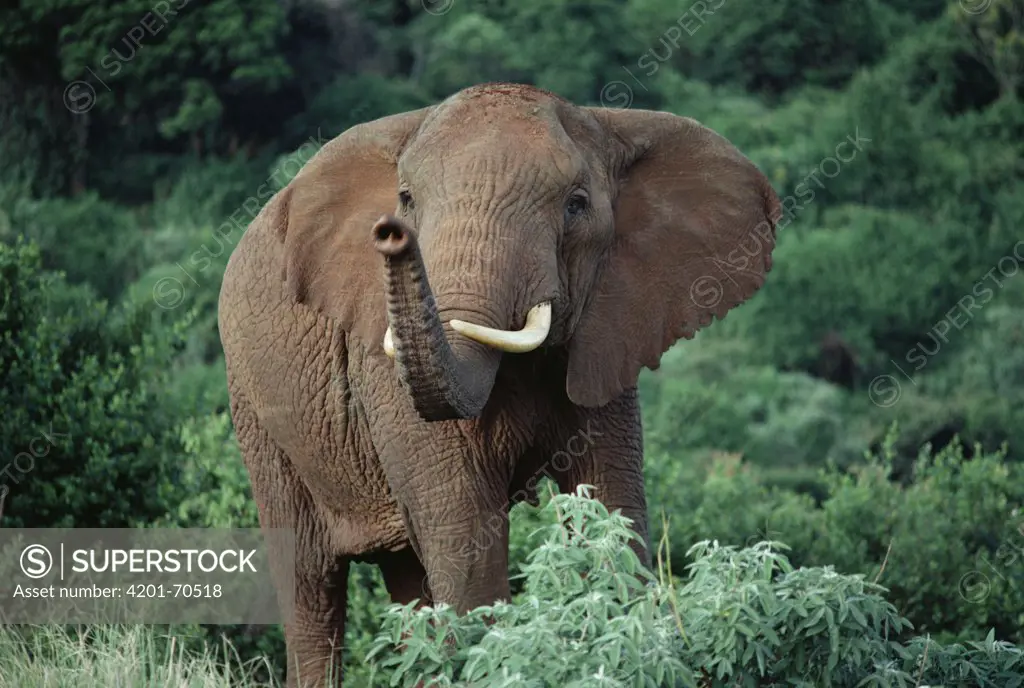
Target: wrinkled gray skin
{"x":637,"y":226}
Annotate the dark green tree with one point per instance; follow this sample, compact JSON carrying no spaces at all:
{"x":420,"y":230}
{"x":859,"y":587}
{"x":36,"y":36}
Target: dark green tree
{"x":85,"y":437}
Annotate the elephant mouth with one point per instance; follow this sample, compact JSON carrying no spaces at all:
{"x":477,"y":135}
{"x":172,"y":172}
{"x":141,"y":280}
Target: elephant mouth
{"x":529,"y":338}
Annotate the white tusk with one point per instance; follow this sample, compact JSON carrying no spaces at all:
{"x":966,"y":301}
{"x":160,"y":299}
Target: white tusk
{"x":389,"y":344}
{"x":533,"y":334}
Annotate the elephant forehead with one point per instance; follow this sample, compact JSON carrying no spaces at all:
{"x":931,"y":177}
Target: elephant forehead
{"x":466,"y":140}
{"x":484,"y":171}
{"x":492,"y":119}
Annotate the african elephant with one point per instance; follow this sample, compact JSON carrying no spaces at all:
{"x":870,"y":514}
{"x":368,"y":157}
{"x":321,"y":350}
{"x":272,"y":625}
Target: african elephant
{"x":443,"y":300}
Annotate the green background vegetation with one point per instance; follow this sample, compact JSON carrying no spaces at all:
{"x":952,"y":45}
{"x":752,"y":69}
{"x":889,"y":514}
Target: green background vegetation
{"x":136,"y":147}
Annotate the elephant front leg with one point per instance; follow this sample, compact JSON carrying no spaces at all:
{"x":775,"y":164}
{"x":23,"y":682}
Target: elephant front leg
{"x":316,"y":580}
{"x":316,"y":634}
{"x":603,"y":447}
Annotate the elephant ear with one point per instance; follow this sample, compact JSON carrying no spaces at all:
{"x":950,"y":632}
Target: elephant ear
{"x":332,"y":204}
{"x":695,"y":225}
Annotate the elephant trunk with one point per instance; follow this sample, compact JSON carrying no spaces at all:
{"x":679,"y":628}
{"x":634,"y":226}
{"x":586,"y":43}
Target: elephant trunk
{"x":444,"y":384}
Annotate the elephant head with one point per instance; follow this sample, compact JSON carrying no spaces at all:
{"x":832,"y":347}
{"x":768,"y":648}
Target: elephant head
{"x":511,"y":220}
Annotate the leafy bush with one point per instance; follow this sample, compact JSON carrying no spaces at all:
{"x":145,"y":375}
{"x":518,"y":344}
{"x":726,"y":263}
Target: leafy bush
{"x":199,"y":194}
{"x":213,"y":478}
{"x":710,"y":396}
{"x":879,"y":279}
{"x":947,"y":544}
{"x":591,"y":615}
{"x":765,"y":50}
{"x":349,"y":100}
{"x":574,"y":48}
{"x":91,"y":240}
{"x":85,"y":436}
{"x":983,"y":380}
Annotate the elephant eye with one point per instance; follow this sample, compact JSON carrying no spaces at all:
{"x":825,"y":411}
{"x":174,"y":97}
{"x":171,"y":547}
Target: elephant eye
{"x":575,"y":206}
{"x":405,"y":198}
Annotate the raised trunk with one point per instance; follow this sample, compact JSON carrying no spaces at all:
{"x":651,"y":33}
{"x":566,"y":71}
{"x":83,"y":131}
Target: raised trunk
{"x":445,"y":382}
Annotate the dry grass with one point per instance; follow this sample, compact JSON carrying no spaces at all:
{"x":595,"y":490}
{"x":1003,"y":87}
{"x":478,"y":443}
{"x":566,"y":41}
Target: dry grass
{"x":114,"y":657}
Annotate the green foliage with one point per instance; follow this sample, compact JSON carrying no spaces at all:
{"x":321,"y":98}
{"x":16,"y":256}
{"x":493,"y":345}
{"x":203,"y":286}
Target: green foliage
{"x":592,"y":615}
{"x":948,"y":544}
{"x":880,"y":279}
{"x":90,"y":240}
{"x":33,"y":153}
{"x":199,"y":108}
{"x":133,"y":80}
{"x":767,"y":619}
{"x":469,"y":48}
{"x":88,"y":441}
{"x":711,"y":397}
{"x":213,"y":477}
{"x":583,"y":600}
{"x":350,"y":100}
{"x":935,"y":537}
{"x":133,"y":48}
{"x":199,"y":194}
{"x":574,"y":48}
{"x":770,"y":47}
{"x":368,"y":603}
{"x":996,"y":40}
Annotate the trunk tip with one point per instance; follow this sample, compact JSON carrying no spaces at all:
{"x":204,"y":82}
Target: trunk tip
{"x":390,"y":236}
